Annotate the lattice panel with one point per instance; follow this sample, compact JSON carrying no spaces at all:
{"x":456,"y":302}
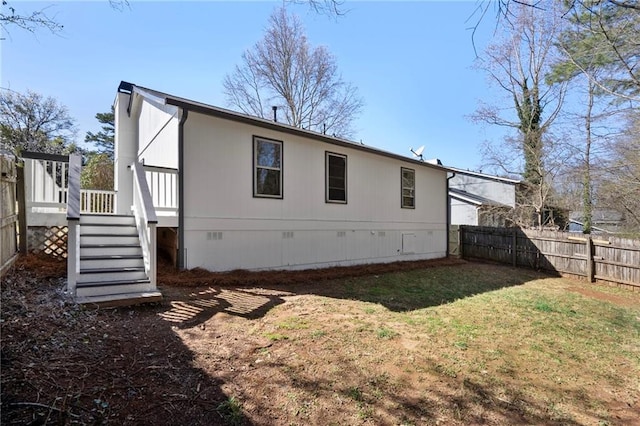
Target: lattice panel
{"x":50,"y":240}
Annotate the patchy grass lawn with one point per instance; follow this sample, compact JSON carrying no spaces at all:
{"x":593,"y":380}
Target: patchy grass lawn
{"x":464,"y":343}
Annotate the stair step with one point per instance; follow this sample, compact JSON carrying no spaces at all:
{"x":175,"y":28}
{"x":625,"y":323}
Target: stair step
{"x":107,"y":220}
{"x":88,"y":284}
{"x":111,"y":261}
{"x":110,"y":244}
{"x":110,"y":250}
{"x":111,"y":270}
{"x":107,"y":288}
{"x":109,"y":234}
{"x":121,"y":299}
{"x":110,"y":257}
{"x":108,"y":239}
{"x":108,"y":229}
{"x":111,"y":275}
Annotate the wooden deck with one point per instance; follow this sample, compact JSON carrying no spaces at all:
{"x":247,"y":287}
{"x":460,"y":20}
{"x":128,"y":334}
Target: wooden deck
{"x":111,"y":259}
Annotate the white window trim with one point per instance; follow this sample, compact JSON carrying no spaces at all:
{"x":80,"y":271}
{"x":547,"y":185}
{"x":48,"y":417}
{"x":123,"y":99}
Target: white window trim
{"x":256,"y":140}
{"x":326,"y":178}
{"x":402,"y":188}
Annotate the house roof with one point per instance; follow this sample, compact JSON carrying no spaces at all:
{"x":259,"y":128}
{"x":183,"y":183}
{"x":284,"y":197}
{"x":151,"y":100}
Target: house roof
{"x":603,"y":216}
{"x":484,"y":176}
{"x":202,"y":108}
{"x":473,"y":198}
{"x":593,"y":228}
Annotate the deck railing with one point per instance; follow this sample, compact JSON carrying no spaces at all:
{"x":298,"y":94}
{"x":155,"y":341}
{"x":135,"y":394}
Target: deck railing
{"x":46,"y":182}
{"x":163,"y":186}
{"x":97,"y":201}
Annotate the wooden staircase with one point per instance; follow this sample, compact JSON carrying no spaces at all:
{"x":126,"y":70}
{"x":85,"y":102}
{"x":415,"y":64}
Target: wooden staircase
{"x":112,"y":268}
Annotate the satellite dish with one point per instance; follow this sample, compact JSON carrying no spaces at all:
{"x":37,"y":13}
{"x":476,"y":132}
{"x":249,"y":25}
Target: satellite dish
{"x":418,"y":152}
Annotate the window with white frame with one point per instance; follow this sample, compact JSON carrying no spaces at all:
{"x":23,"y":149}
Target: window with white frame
{"x":336,"y":178}
{"x":408,"y":188}
{"x":267,"y":168}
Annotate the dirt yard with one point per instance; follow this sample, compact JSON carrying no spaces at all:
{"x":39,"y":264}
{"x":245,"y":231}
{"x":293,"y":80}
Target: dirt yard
{"x":444,"y":342}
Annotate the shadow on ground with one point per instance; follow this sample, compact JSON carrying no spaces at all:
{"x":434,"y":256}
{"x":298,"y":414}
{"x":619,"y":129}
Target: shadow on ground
{"x":194,"y":296}
{"x":65,"y":364}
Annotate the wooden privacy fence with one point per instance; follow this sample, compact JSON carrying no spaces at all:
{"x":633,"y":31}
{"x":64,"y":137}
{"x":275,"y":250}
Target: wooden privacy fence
{"x":597,"y":258}
{"x":8,"y":212}
{"x":454,"y":240}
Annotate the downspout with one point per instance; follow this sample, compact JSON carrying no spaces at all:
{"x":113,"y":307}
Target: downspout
{"x":181,"y":249}
{"x":448,"y":204}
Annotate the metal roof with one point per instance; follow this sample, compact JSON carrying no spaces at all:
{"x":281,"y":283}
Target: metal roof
{"x":473,"y":198}
{"x":484,"y":175}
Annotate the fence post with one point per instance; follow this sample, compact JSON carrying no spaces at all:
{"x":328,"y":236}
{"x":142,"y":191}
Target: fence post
{"x":460,"y":241}
{"x":514,"y":245}
{"x":22,"y":210}
{"x":590,"y":266}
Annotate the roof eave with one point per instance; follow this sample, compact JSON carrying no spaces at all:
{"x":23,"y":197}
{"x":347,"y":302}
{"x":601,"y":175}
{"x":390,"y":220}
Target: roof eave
{"x":485,"y":176}
{"x":280,"y":127}
{"x":267,"y":124}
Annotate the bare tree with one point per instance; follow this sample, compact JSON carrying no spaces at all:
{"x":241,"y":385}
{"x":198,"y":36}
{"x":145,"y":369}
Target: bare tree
{"x":620,"y":186}
{"x":27,"y":20}
{"x":37,"y":19}
{"x":284,"y":71}
{"x":535,"y":204}
{"x":611,"y":27}
{"x":518,"y":63}
{"x":31,"y":122}
{"x":592,"y":59}
{"x":33,"y":20}
{"x":323,"y":7}
{"x":593,"y":128}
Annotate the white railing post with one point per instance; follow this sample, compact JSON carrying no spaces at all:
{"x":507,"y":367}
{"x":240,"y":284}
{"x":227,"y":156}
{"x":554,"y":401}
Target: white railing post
{"x":73,"y":255}
{"x":28,"y":179}
{"x":153,"y":265}
{"x":73,"y":220}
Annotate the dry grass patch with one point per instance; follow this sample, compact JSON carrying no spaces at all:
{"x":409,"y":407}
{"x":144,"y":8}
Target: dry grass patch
{"x":466,"y":344}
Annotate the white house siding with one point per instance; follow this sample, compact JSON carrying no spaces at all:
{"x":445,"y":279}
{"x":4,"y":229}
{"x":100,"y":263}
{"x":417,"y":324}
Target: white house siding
{"x":125,"y":154}
{"x":498,"y":191}
{"x":158,"y":134}
{"x":463,"y":213}
{"x":227,"y":228}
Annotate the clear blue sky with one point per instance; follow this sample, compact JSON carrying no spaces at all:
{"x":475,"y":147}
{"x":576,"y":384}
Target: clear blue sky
{"x":411,"y":61}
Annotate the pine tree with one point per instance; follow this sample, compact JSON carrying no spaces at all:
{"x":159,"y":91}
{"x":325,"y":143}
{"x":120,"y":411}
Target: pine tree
{"x":104,"y":139}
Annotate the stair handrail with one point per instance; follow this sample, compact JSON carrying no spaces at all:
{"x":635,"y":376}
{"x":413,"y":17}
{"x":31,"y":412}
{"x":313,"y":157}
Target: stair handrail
{"x":73,"y":223}
{"x":146,"y":220}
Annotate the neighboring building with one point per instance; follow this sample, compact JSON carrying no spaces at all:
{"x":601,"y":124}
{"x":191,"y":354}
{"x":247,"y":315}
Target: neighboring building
{"x":238,"y":192}
{"x":602,"y":221}
{"x":480,"y":199}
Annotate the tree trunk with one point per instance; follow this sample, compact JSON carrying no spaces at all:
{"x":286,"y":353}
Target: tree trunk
{"x":586,"y":190}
